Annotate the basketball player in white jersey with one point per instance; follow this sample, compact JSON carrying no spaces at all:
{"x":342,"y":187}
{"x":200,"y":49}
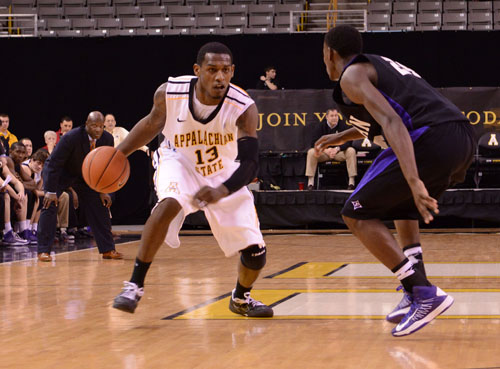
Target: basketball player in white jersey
{"x":208,"y":123}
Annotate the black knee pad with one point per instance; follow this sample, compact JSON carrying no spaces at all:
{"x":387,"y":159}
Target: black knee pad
{"x":254,"y":257}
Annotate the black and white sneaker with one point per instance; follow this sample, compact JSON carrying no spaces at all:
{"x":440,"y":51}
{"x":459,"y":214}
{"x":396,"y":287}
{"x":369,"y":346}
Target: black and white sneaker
{"x":129,"y":297}
{"x":249,"y":307}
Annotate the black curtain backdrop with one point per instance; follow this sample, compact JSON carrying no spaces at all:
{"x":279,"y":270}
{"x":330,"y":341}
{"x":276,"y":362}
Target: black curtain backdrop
{"x":44,"y":79}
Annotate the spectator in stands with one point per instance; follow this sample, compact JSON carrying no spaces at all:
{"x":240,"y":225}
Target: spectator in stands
{"x":6,"y":137}
{"x":29,"y":148}
{"x":66,"y":125}
{"x":119,"y":133}
{"x":268,"y":81}
{"x":343,"y":152}
{"x":50,"y":138}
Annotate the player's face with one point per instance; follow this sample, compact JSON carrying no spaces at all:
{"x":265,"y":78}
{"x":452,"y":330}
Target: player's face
{"x":329,"y":64}
{"x":29,"y":147}
{"x":66,"y":126}
{"x":95,"y":128}
{"x":214,"y":75}
{"x":36,"y":166}
{"x":18,"y":154}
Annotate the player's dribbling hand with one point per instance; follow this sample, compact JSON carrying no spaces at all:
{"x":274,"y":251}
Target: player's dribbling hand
{"x":424,"y":202}
{"x":209,"y":195}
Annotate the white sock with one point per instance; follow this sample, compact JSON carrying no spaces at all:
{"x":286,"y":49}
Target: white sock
{"x":27,"y":223}
{"x":7,"y":228}
{"x":34,"y":227}
{"x":21,"y":225}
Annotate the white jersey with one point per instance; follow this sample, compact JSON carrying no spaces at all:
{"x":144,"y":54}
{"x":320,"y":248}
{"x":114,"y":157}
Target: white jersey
{"x":209,"y":145}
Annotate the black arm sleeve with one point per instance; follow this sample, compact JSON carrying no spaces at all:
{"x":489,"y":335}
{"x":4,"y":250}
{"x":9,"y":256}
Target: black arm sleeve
{"x":248,"y":154}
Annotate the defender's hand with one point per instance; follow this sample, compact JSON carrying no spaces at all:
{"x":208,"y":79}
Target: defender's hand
{"x":424,"y":201}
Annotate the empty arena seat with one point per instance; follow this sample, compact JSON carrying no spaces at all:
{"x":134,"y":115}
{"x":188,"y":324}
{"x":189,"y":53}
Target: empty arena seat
{"x":96,"y":3}
{"x":102,"y":11}
{"x":256,"y":30}
{"x":69,"y":33}
{"x":50,"y":13}
{"x":76,"y":12}
{"x":234,"y":22}
{"x":403,"y":21}
{"x":123,"y":2}
{"x":142,"y":3}
{"x":480,"y":21}
{"x":23,"y":3}
{"x":122,"y":32}
{"x":403,"y":7}
{"x":208,"y":22}
{"x":455,"y":6}
{"x":283,"y":21}
{"x":109,"y":23}
{"x":180,"y":11}
{"x":285,"y":9}
{"x":172,"y":2}
{"x":183,"y":22}
{"x":159,"y":23}
{"x":73,"y":3}
{"x":196,"y":2}
{"x":480,"y":6}
{"x":150,"y":11}
{"x":430,"y":7}
{"x":246,"y":2}
{"x":454,"y":21}
{"x":266,"y":10}
{"x":234,"y":10}
{"x":95,"y":32}
{"x":84,"y":24}
{"x":128,"y":23}
{"x":378,"y":22}
{"x":58,"y":24}
{"x":221,"y":2}
{"x":127,"y":11}
{"x":380,"y":8}
{"x":230,"y":31}
{"x":203,"y":31}
{"x":260,"y":21}
{"x":48,"y":3}
{"x":428,"y":21}
{"x":207,"y":10}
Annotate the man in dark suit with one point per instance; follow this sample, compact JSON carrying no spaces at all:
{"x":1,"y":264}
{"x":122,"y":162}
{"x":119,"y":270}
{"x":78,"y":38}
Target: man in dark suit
{"x":64,"y":169}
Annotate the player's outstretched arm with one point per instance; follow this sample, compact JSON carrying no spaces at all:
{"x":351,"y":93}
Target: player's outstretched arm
{"x":149,"y":126}
{"x":358,"y":84}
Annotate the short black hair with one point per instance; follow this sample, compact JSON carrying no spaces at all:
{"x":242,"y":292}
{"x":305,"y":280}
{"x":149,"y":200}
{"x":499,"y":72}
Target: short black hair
{"x":213,"y":48}
{"x":268,"y":68}
{"x":17,"y":144}
{"x":346,"y":40}
{"x":66,"y":119}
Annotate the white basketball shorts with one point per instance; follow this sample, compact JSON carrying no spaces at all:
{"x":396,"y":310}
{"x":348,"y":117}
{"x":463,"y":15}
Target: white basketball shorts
{"x":233,"y":219}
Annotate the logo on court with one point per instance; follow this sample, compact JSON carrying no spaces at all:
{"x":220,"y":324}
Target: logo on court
{"x":356,"y":204}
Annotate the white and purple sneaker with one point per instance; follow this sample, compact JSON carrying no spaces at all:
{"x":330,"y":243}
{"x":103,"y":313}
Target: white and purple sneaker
{"x":428,"y":303}
{"x":401,"y":309}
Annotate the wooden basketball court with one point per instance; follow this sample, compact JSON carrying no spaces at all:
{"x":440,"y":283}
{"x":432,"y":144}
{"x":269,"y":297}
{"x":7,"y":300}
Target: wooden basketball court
{"x":329,"y":295}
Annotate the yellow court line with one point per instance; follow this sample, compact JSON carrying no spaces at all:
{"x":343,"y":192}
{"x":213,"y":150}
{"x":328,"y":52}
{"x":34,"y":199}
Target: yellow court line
{"x":219,"y":310}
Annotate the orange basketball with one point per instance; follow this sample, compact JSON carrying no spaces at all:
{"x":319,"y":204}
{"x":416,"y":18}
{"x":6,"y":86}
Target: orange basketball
{"x":105,"y":169}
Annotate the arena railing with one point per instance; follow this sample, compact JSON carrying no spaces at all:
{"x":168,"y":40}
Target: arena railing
{"x":18,"y":25}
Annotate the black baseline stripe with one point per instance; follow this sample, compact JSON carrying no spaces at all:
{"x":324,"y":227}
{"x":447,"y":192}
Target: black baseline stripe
{"x":335,"y":270}
{"x":211,"y":301}
{"x":238,"y":91}
{"x":178,"y":93}
{"x":284,"y":299}
{"x":238,"y":101}
{"x":287,"y":269}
